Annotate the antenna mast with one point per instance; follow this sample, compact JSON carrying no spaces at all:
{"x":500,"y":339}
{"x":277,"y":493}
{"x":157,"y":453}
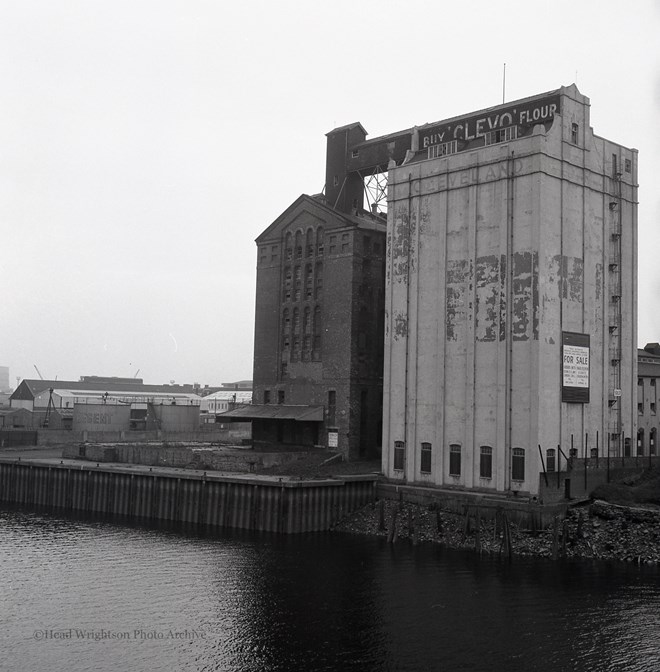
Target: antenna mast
{"x":503,"y":83}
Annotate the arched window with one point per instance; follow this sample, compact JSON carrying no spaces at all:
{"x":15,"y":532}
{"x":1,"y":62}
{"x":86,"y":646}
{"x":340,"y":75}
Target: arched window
{"x":425,"y":462}
{"x":296,"y":321}
{"x":486,"y":462}
{"x":309,"y":243}
{"x":309,"y":282}
{"x":319,"y":241}
{"x":317,"y":328}
{"x":399,"y":455}
{"x":318,"y":292}
{"x":307,"y":326}
{"x":287,"y":283}
{"x":640,"y":442}
{"x":518,"y":464}
{"x":289,"y":245}
{"x":286,"y":329}
{"x":297,"y":283}
{"x":551,"y":459}
{"x":299,"y":244}
{"x":454,"y":459}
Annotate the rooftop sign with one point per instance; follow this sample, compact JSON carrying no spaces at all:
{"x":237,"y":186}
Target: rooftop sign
{"x":522,"y":113}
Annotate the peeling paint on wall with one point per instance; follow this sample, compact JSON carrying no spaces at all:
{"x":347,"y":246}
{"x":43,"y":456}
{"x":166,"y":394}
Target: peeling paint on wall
{"x":400,"y":326}
{"x":570,"y":274}
{"x":487,"y":277}
{"x":503,"y":272}
{"x":525,"y":269}
{"x":400,"y":245}
{"x":455,"y":282}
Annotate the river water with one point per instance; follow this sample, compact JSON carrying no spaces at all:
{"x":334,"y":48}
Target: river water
{"x":80,"y":595}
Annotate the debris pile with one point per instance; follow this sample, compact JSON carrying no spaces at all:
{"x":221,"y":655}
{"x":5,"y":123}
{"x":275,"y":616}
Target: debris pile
{"x":599,"y":531}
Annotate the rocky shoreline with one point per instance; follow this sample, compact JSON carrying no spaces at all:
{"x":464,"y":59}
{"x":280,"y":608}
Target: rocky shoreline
{"x":599,"y":531}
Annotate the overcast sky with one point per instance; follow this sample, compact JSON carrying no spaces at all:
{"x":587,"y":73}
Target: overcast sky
{"x":145,"y":145}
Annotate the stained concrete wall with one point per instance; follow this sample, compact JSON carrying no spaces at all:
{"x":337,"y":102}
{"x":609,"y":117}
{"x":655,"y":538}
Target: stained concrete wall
{"x":492,"y":254}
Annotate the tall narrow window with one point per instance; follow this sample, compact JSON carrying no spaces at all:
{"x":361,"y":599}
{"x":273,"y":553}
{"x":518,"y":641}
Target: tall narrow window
{"x":319,"y":281}
{"x":266,"y":396}
{"x":280,"y":396}
{"x":574,"y":133}
{"x":399,"y":455}
{"x":317,"y":329}
{"x":309,"y":243}
{"x":626,"y":446}
{"x":640,"y":442}
{"x":288,"y":282}
{"x":425,"y":462}
{"x":652,"y":438}
{"x":309,"y":282}
{"x":299,"y":245}
{"x":518,"y":464}
{"x":332,"y":407}
{"x":550,"y":459}
{"x":454,"y":460}
{"x":319,"y":241}
{"x":486,"y":462}
{"x":289,"y":245}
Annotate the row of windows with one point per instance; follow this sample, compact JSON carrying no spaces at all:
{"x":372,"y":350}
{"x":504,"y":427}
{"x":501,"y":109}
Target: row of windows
{"x":312,"y":285}
{"x":455,"y":458}
{"x":641,"y":442}
{"x":311,"y":322}
{"x":280,"y":396}
{"x":301,"y":340}
{"x":313,"y":245}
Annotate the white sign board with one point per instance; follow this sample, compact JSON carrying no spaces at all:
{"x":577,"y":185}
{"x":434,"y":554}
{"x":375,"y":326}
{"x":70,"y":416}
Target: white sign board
{"x":576,"y":366}
{"x":333,"y":439}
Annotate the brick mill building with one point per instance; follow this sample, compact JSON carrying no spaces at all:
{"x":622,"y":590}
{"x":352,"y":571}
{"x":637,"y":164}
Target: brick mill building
{"x":318,"y":348}
{"x":511,"y":301}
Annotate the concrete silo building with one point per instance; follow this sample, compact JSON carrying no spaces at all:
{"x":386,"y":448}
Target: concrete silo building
{"x":511,"y":297}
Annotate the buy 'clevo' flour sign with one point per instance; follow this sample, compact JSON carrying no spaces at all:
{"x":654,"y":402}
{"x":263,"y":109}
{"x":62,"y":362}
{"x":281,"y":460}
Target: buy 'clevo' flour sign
{"x":575,"y":367}
{"x":521,"y":114}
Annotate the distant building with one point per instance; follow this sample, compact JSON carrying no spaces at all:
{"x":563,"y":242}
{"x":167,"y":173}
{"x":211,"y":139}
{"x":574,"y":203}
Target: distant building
{"x":96,"y":403}
{"x":221,"y":402}
{"x":4,"y":379}
{"x":648,"y":382}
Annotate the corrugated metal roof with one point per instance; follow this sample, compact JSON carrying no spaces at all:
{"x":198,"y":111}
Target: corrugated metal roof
{"x":276,"y":412}
{"x":34,"y":387}
{"x":240,"y":396}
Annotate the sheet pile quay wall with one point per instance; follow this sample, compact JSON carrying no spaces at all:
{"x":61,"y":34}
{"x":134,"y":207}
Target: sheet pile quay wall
{"x":218,"y":502}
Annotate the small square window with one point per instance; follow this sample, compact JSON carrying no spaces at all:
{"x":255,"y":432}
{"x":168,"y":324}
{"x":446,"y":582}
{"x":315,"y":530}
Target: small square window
{"x":640,"y":408}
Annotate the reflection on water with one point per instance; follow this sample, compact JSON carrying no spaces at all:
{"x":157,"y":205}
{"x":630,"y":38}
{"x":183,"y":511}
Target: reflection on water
{"x":79,"y":595}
